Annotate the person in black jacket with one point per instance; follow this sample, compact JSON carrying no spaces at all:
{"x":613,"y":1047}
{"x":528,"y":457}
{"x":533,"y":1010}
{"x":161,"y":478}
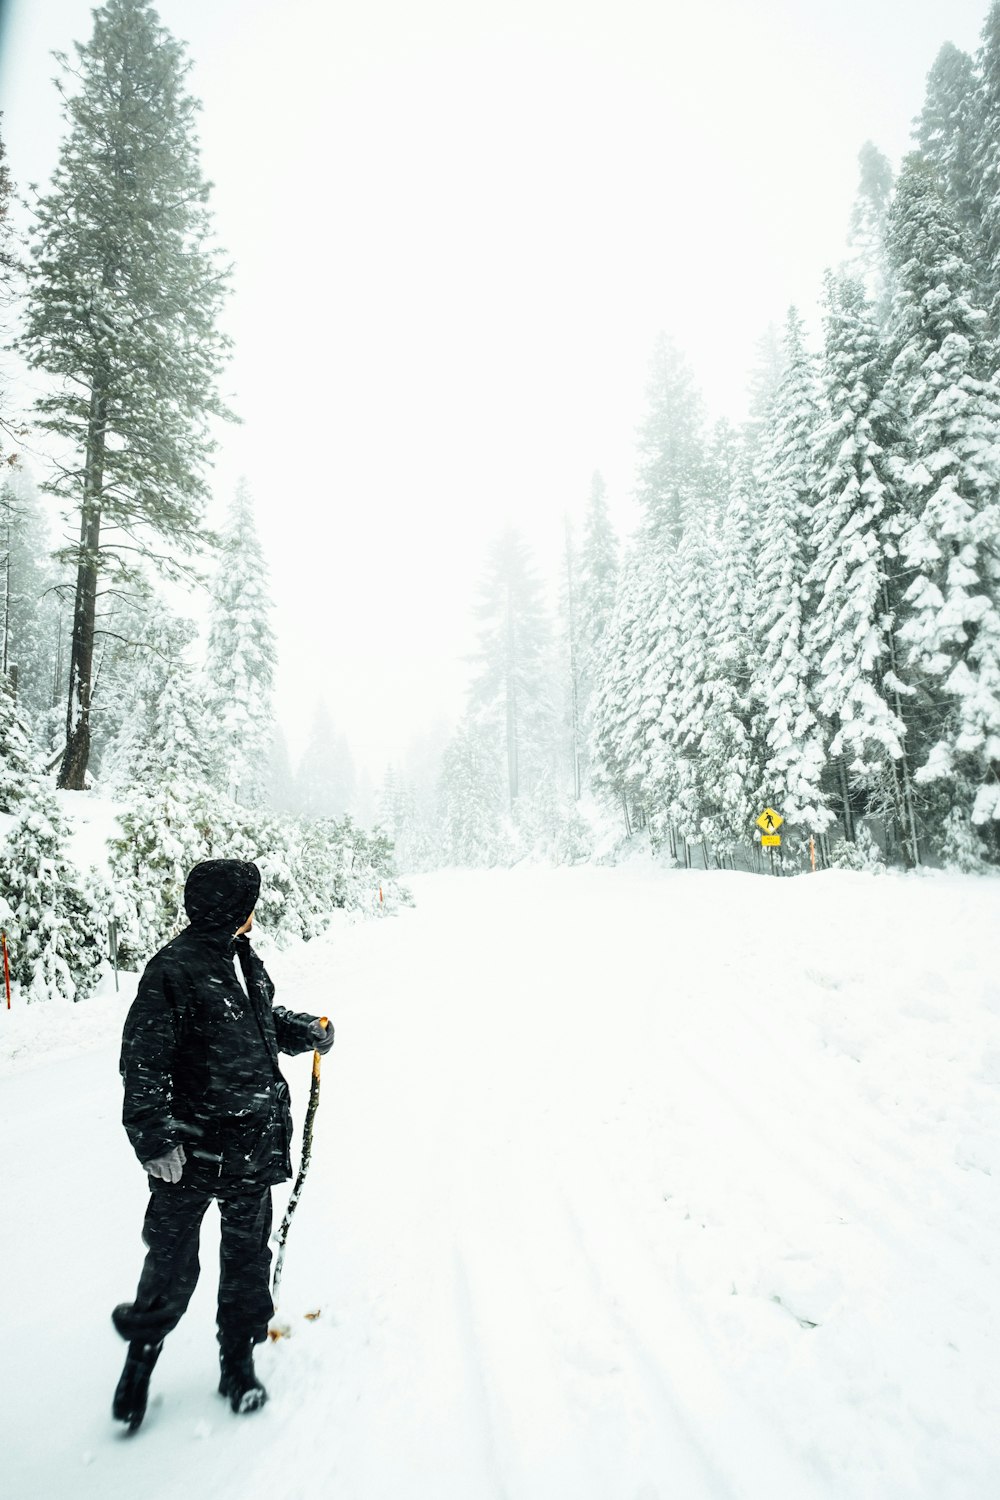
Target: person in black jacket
{"x":207,"y":1112}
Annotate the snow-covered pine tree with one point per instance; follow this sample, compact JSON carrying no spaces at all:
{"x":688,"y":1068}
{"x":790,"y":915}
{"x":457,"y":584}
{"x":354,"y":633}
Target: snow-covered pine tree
{"x":513,"y":683}
{"x":280,"y":777}
{"x":167,"y":736}
{"x":734,"y":745}
{"x":325,"y":779}
{"x":947,"y":130}
{"x":241,"y":659}
{"x":986,"y":157}
{"x":943,"y":380}
{"x":853,"y":636}
{"x":795,"y":752}
{"x":6,"y":267}
{"x":866,"y":253}
{"x":59,"y":927}
{"x":598,"y":577}
{"x":629,"y":753}
{"x":124,"y":294}
{"x":28,"y":610}
{"x":762,"y":388}
{"x":473,"y":797}
{"x":671,"y":446}
{"x":166,"y":829}
{"x":20,"y":768}
{"x":693,"y":601}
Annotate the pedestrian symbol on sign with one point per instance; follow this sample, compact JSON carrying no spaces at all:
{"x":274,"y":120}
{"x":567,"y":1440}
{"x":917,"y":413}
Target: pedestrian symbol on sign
{"x":769,"y":820}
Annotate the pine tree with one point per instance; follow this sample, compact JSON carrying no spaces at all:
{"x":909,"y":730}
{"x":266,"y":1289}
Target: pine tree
{"x":734,"y":743}
{"x":986,"y":157}
{"x":632,"y":681}
{"x":280,"y":777}
{"x":942,"y":379}
{"x":598,"y":577}
{"x":20,"y":770}
{"x":28,"y":610}
{"x":241,"y":660}
{"x":795,"y":752}
{"x":59,"y":918}
{"x":472,"y":798}
{"x":869,"y":221}
{"x":6,"y":268}
{"x":762,"y":388}
{"x":854,"y":635}
{"x":671,"y":458}
{"x":946,"y":131}
{"x":325,"y":780}
{"x":166,"y":734}
{"x":124,"y":295}
{"x":512,"y":687}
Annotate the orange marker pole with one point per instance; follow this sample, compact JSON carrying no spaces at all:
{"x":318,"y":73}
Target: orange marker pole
{"x":812,"y":852}
{"x":6,"y":967}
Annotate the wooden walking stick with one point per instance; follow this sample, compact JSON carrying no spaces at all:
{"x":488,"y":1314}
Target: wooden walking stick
{"x":307,"y":1140}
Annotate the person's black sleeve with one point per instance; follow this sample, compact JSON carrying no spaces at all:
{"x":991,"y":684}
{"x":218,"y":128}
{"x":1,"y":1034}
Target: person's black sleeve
{"x":292,"y":1028}
{"x":148,"y":1045}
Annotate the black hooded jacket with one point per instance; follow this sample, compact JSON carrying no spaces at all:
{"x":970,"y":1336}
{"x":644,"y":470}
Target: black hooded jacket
{"x":199,"y":1057}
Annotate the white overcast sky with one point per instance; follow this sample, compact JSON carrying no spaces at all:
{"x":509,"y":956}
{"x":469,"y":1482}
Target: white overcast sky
{"x":457,"y":228}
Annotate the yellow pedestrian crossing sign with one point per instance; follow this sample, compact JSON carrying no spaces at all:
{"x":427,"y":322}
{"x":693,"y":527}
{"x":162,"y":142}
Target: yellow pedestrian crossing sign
{"x":769,"y":820}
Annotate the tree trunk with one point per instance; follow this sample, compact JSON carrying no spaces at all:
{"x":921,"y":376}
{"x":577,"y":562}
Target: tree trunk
{"x":902,"y":779}
{"x":845,"y":793}
{"x":73,"y":771}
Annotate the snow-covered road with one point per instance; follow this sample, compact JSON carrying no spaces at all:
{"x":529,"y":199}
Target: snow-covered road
{"x":627,"y":1185}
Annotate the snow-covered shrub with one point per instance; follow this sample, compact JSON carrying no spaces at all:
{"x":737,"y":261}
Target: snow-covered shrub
{"x":862,"y":854}
{"x":164,"y":833}
{"x":308,"y":868}
{"x":962,"y":847}
{"x":58,"y":919}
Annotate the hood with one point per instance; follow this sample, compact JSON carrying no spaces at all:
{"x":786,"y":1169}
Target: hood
{"x":219,"y":894}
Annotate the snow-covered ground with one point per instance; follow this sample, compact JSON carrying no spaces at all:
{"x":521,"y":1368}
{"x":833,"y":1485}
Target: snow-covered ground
{"x":628,"y":1185}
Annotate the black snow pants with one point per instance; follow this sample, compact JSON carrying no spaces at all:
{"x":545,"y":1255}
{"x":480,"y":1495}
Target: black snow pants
{"x":170,"y":1272}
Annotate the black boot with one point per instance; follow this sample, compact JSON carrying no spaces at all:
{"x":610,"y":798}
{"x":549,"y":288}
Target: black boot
{"x":239,"y":1380}
{"x":133,"y":1388}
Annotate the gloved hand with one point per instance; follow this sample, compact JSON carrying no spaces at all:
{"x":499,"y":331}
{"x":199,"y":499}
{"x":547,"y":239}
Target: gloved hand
{"x":168,"y":1167}
{"x":322,"y":1037}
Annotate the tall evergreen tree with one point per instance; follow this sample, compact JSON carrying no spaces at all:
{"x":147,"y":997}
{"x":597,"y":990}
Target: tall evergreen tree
{"x":942,"y":377}
{"x":165,"y":735}
{"x":947,"y":129}
{"x":241,"y":660}
{"x":20,"y":769}
{"x":868,"y":224}
{"x":325,"y":780}
{"x":853,"y":636}
{"x":986,"y":157}
{"x":598,"y":577}
{"x":124,"y":295}
{"x":28,"y":607}
{"x":473,"y":796}
{"x":795,"y":754}
{"x":671,"y":458}
{"x":6,"y":267}
{"x":512,"y":686}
